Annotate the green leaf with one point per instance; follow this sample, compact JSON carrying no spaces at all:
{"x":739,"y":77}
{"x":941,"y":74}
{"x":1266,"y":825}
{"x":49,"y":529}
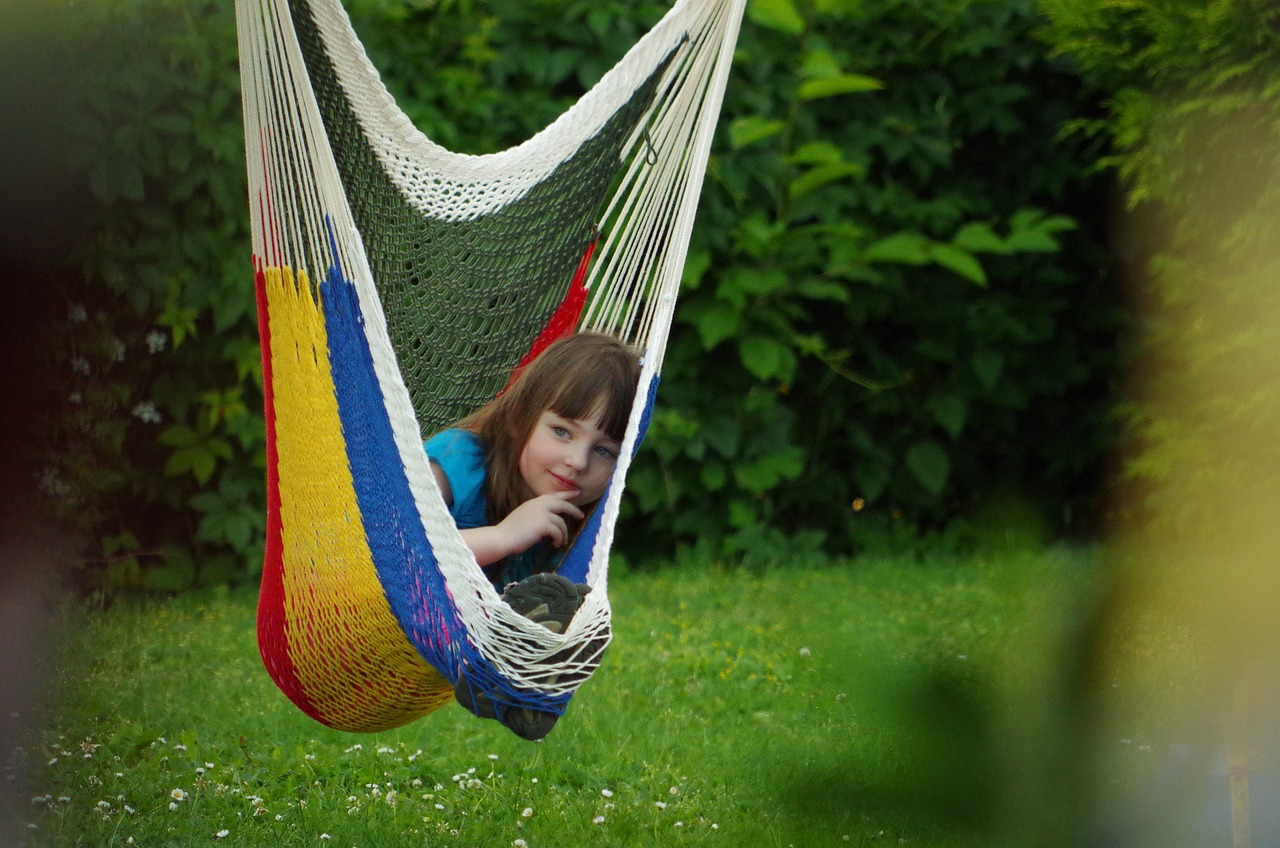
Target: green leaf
{"x":816,"y":178}
{"x":1032,"y":241}
{"x":696,"y":265}
{"x":714,"y":475}
{"x":780,"y":15}
{"x":717,"y":324}
{"x":962,"y":262}
{"x":761,"y":474}
{"x":817,"y":289}
{"x":722,"y":434}
{"x":766,"y":358}
{"x":752,"y":128}
{"x":977,"y":237}
{"x":743,"y":513}
{"x":740,"y":284}
{"x":814,"y":89}
{"x":1031,"y":231}
{"x":905,"y":248}
{"x":929,"y":464}
{"x":988,"y":364}
{"x":178,"y":436}
{"x":950,"y":411}
{"x":816,"y":153}
{"x":872,"y":478}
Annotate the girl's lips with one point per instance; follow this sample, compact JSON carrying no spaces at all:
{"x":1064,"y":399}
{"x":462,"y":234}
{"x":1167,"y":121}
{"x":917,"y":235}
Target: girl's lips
{"x":565,"y":484}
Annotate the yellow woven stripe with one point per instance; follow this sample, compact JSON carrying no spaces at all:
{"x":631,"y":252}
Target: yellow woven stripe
{"x":353,"y":660}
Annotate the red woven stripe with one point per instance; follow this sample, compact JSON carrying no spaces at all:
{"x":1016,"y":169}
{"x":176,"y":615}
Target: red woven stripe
{"x":566,"y":316}
{"x":272,"y":639}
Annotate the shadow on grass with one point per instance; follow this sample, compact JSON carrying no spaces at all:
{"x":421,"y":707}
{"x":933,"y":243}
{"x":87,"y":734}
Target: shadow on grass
{"x":931,"y":766}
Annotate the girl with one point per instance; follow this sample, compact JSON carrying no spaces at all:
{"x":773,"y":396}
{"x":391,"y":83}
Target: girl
{"x":520,"y":475}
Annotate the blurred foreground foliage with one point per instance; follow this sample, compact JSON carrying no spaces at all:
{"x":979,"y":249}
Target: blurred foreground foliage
{"x":895,"y":319}
{"x":1192,"y":127}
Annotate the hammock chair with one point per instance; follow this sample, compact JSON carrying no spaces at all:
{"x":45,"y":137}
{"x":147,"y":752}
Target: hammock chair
{"x":399,"y":286}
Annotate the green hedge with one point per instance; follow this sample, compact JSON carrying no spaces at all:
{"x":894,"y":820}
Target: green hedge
{"x":894,"y":318}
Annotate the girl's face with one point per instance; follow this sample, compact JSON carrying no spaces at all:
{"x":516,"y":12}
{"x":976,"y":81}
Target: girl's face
{"x":568,"y":455}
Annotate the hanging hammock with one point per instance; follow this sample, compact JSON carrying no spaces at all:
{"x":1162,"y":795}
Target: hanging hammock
{"x":399,"y":285}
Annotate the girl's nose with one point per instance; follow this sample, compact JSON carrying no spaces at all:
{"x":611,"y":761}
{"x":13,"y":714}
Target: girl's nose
{"x":576,"y":458}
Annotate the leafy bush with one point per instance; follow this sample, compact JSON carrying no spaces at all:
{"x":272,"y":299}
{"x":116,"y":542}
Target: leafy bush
{"x":157,"y":452}
{"x":879,"y":286}
{"x":893,"y":316}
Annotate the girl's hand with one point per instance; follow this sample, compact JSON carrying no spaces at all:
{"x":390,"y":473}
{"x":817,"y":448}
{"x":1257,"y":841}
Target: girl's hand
{"x":543,"y":517}
{"x":536,"y":519}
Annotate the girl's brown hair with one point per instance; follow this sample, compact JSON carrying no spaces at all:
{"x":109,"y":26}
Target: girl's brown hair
{"x":570,"y":378}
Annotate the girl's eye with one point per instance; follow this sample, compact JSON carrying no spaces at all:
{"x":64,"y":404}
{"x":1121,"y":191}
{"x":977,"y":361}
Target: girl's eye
{"x":605,"y":453}
{"x":562,"y":432}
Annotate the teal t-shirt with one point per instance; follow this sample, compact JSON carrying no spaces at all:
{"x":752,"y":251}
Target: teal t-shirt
{"x":460,"y":455}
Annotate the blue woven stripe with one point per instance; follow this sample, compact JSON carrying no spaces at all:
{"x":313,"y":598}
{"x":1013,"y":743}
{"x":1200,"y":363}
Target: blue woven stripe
{"x":577,"y":560}
{"x":402,"y":555}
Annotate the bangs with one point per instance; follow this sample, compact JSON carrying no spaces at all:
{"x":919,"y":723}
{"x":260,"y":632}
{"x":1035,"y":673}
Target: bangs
{"x":612,"y":383}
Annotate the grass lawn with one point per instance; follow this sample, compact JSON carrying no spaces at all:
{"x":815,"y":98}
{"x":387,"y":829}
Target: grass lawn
{"x":861,"y":703}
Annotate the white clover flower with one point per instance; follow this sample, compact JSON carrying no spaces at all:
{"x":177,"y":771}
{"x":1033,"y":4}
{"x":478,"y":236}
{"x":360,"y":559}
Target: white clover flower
{"x":598,"y":820}
{"x":805,"y":652}
{"x":325,"y":836}
{"x":173,"y":805}
{"x":608,"y":793}
{"x":179,"y":747}
{"x":118,"y":351}
{"x":147,"y":413}
{"x":661,"y":805}
{"x":519,"y":843}
{"x":675,"y":790}
{"x":222,"y":834}
{"x":156,"y":341}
